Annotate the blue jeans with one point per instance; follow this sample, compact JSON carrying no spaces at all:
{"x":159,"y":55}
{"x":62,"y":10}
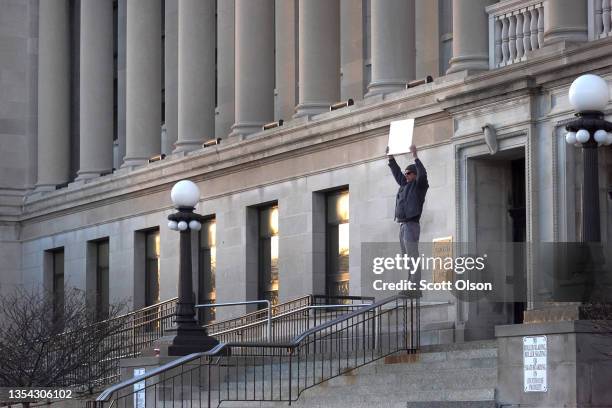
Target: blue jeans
{"x":409,"y":242}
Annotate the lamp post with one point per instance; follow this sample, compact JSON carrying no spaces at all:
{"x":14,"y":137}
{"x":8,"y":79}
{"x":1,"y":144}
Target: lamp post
{"x":188,"y":337}
{"x":589,"y":95}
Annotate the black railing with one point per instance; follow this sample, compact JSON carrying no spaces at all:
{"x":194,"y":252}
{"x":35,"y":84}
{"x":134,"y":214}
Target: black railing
{"x":287,"y":324}
{"x":258,"y":315}
{"x":138,"y":330}
{"x":277,"y":371}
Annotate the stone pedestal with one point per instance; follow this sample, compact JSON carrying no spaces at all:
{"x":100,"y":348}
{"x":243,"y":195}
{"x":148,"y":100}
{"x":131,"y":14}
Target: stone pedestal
{"x":579,"y":364}
{"x":182,"y":341}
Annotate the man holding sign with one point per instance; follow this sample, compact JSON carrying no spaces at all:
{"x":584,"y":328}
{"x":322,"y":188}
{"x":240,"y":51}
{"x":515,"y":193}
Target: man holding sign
{"x":410,"y":198}
{"x":413,"y":187}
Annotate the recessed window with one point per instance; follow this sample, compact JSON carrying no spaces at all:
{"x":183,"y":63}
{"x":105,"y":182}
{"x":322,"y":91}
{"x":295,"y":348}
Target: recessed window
{"x":208,"y":265}
{"x":152,"y":251}
{"x":268,"y":254}
{"x":102,"y":281}
{"x":337,"y":240}
{"x":57,"y":272}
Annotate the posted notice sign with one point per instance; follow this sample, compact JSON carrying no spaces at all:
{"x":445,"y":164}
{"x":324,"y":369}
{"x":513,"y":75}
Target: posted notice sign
{"x":535,"y":356}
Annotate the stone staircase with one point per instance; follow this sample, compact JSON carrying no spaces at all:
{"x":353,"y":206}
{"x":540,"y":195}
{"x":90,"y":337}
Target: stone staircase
{"x":441,"y":376}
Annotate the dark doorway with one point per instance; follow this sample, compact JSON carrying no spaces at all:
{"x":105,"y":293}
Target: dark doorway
{"x":518,"y":214}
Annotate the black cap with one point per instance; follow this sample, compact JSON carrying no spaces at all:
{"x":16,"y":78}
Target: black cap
{"x":412,"y":168}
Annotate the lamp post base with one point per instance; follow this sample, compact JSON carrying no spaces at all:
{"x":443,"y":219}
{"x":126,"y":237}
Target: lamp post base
{"x":181,"y":341}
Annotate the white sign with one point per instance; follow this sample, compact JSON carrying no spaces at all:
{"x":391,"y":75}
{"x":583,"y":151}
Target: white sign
{"x":139,"y":391}
{"x":535,"y":363}
{"x":400,"y":136}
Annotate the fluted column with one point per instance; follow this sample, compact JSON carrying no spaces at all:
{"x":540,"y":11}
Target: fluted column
{"x":286,"y":59}
{"x":225,"y":67}
{"x":565,"y":20}
{"x":196,"y":80}
{"x":254,"y":65}
{"x":143,"y":77}
{"x":319,"y":55}
{"x":470,"y":36}
{"x":53,"y":94}
{"x":393,"y":46}
{"x":96,"y":89}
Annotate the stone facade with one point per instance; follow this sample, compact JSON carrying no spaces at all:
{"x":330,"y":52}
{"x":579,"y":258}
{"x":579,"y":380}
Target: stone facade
{"x":292,"y":165}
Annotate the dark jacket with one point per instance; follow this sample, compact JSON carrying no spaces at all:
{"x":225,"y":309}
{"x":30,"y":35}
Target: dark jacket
{"x":411,"y":195}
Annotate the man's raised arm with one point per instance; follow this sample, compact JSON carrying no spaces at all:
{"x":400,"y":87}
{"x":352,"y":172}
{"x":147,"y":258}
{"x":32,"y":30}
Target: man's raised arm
{"x":421,"y":176}
{"x":396,"y":171}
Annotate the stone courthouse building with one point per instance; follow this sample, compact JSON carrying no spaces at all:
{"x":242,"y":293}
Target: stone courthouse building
{"x":104,"y":105}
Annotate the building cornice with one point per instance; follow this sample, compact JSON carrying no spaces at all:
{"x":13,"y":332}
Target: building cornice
{"x":451,"y":94}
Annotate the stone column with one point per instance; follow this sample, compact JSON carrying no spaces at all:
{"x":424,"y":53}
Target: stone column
{"x":96,"y":90}
{"x":393,"y":47}
{"x":319,"y":55}
{"x":286,"y":59}
{"x":143,"y":77}
{"x":254,"y":65}
{"x":196,"y":79}
{"x":53,"y":94}
{"x":225,"y":68}
{"x":470,"y":36}
{"x":171,"y":73}
{"x":351,"y":49}
{"x":565,"y":20}
{"x":427,"y":38}
{"x":121,"y":62}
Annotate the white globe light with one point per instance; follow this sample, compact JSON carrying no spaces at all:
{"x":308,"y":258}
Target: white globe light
{"x":600,"y":136}
{"x":194,"y":225}
{"x":582,"y":136}
{"x":570,"y":138}
{"x":182,"y":225}
{"x":608,"y":142}
{"x":185,"y":193}
{"x":173,"y":225}
{"x":589,"y":93}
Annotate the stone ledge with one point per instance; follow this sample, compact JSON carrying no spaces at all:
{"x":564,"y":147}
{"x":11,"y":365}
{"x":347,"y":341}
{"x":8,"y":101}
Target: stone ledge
{"x":561,"y":327}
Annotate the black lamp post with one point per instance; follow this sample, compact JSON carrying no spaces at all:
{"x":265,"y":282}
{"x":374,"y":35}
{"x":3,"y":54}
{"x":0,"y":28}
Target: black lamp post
{"x":188,"y":337}
{"x":589,"y":95}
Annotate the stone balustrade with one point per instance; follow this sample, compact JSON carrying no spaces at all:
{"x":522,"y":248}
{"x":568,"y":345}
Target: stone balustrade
{"x":516,"y":27}
{"x":600,"y":19}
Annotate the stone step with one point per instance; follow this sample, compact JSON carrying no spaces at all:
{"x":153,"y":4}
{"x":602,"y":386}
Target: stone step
{"x":448,"y":376}
{"x":452,"y":404}
{"x":313,"y":398}
{"x":399,"y":400}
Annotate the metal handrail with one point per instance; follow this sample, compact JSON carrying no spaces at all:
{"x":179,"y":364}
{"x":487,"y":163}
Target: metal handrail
{"x":253,"y":315}
{"x":291,"y":312}
{"x":139,"y":328}
{"x":104,"y":395}
{"x":247,"y":302}
{"x":221,"y":348}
